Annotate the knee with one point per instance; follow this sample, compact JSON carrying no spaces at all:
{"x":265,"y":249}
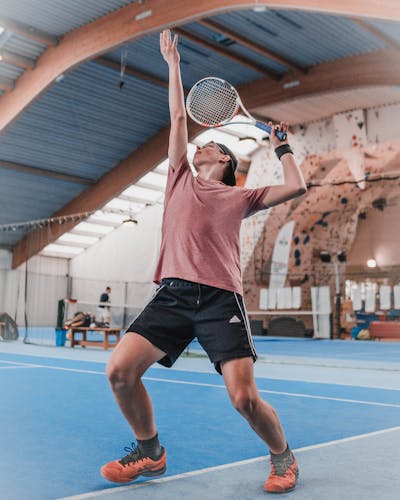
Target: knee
{"x":119,"y":378}
{"x":244,"y":402}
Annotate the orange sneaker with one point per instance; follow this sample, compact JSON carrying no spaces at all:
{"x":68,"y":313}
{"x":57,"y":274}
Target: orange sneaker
{"x":133,"y":465}
{"x":284,"y":474}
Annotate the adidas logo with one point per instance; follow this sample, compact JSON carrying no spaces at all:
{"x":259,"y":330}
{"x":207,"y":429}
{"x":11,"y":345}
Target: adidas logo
{"x":235,"y":319}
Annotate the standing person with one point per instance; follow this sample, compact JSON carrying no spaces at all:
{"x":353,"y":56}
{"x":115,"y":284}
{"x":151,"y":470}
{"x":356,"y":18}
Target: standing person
{"x":200,"y":293}
{"x":103,"y":311}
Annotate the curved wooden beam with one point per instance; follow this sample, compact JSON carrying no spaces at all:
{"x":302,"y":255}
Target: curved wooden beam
{"x":370,"y":68}
{"x":379,"y":68}
{"x":138,"y":19}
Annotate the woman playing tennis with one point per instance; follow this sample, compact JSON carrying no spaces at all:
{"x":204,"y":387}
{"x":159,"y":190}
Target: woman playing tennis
{"x":200,"y":293}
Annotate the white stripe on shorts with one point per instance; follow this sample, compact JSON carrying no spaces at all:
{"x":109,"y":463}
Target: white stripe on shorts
{"x":247,"y":325}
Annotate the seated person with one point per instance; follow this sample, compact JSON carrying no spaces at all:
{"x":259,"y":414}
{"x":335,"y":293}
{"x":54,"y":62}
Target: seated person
{"x":80,"y":319}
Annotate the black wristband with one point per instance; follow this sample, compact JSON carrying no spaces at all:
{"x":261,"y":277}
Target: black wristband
{"x":283,"y":149}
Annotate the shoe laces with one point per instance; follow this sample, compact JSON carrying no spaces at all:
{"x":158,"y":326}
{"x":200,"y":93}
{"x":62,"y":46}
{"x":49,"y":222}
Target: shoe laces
{"x":281,"y":465}
{"x":134,"y":455}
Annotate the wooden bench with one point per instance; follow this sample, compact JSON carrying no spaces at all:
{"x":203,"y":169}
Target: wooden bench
{"x":105,"y":343}
{"x":384,"y":330}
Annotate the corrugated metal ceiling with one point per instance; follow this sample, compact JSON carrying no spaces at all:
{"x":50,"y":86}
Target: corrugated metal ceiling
{"x":85,"y":124}
{"x":58,"y":17}
{"x":196,"y":62}
{"x":303,"y":37}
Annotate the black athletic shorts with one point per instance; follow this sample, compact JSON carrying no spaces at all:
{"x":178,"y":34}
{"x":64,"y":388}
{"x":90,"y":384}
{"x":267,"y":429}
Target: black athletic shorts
{"x":181,"y":310}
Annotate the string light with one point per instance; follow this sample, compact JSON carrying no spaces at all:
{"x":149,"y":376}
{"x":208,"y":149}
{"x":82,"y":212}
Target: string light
{"x":366,"y":178}
{"x":63,"y":219}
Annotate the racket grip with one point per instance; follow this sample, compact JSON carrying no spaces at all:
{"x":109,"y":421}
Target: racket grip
{"x":263,"y":126}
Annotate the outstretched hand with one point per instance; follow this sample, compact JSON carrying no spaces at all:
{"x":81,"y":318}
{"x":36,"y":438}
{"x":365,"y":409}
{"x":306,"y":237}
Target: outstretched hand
{"x":168,"y":47}
{"x":275,"y":141}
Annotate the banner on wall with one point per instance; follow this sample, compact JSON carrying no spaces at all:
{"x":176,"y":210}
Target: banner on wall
{"x":280,"y":298}
{"x":296,"y":297}
{"x":280,"y":256}
{"x":321,"y":310}
{"x":385,"y":292}
{"x":370,"y":299}
{"x":356,"y":297}
{"x":396,"y":296}
{"x":263,"y":299}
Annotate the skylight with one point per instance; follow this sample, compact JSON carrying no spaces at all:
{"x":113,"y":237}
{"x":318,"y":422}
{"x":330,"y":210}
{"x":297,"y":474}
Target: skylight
{"x":162,"y":167}
{"x":107,"y":217}
{"x":154,"y":179}
{"x":86,"y":227}
{"x":143,"y":193}
{"x":78,"y":238}
{"x":62,"y":250}
{"x":125,"y":205}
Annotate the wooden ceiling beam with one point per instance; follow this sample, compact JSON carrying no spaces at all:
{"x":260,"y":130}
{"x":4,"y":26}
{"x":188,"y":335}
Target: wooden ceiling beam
{"x":379,"y":68}
{"x":377,"y":33}
{"x":255,"y":47}
{"x":6,"y":84}
{"x":138,"y":19}
{"x":17,"y":167}
{"x":28,"y":32}
{"x":236,"y":58}
{"x":16,"y":60}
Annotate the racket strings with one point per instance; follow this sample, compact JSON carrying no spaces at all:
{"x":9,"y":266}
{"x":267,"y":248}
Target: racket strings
{"x":212,"y":102}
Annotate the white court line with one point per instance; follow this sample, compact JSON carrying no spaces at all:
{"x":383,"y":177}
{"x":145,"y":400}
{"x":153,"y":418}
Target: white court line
{"x":219,"y":386}
{"x":199,"y":472}
{"x":267,"y":391}
{"x":15,"y":367}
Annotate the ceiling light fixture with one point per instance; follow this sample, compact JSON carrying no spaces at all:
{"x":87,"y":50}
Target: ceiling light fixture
{"x":290,"y":85}
{"x":371,"y":263}
{"x":130,"y":221}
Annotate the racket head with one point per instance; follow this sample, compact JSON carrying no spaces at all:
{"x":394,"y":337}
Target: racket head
{"x":212,"y":101}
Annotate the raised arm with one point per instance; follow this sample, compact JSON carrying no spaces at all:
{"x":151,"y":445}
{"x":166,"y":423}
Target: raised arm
{"x":178,"y":137}
{"x":294,"y":182}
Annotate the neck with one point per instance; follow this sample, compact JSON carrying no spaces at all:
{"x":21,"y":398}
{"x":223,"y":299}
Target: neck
{"x":212,"y":171}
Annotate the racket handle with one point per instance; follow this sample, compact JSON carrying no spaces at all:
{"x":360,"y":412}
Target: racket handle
{"x":263,"y":126}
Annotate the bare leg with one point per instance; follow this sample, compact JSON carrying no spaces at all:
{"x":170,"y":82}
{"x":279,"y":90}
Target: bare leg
{"x":129,"y":361}
{"x":239,"y":380}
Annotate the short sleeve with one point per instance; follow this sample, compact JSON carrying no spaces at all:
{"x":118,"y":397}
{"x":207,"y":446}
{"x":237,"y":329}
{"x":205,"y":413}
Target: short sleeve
{"x":175,"y":173}
{"x":254,"y":200}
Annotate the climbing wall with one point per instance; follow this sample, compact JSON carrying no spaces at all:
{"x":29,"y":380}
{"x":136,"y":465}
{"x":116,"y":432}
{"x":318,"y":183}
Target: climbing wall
{"x":342,"y":150}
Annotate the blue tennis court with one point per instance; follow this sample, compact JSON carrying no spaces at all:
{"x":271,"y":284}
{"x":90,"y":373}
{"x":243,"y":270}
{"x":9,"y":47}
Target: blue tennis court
{"x":60,"y":424}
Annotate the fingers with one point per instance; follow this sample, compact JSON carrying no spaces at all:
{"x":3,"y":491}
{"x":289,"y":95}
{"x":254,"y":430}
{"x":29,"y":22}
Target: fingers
{"x":167,"y":43}
{"x":165,"y":39}
{"x":273,"y":128}
{"x":282,"y":126}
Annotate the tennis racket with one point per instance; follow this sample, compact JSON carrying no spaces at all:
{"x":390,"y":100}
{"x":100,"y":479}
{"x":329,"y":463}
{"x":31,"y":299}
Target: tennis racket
{"x":213,"y":102}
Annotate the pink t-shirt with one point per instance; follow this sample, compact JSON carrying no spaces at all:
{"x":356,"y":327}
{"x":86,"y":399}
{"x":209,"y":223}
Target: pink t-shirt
{"x":201,"y":229}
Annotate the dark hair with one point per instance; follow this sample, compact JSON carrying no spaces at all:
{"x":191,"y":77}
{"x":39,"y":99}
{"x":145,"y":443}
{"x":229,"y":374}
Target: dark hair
{"x":229,"y":175}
